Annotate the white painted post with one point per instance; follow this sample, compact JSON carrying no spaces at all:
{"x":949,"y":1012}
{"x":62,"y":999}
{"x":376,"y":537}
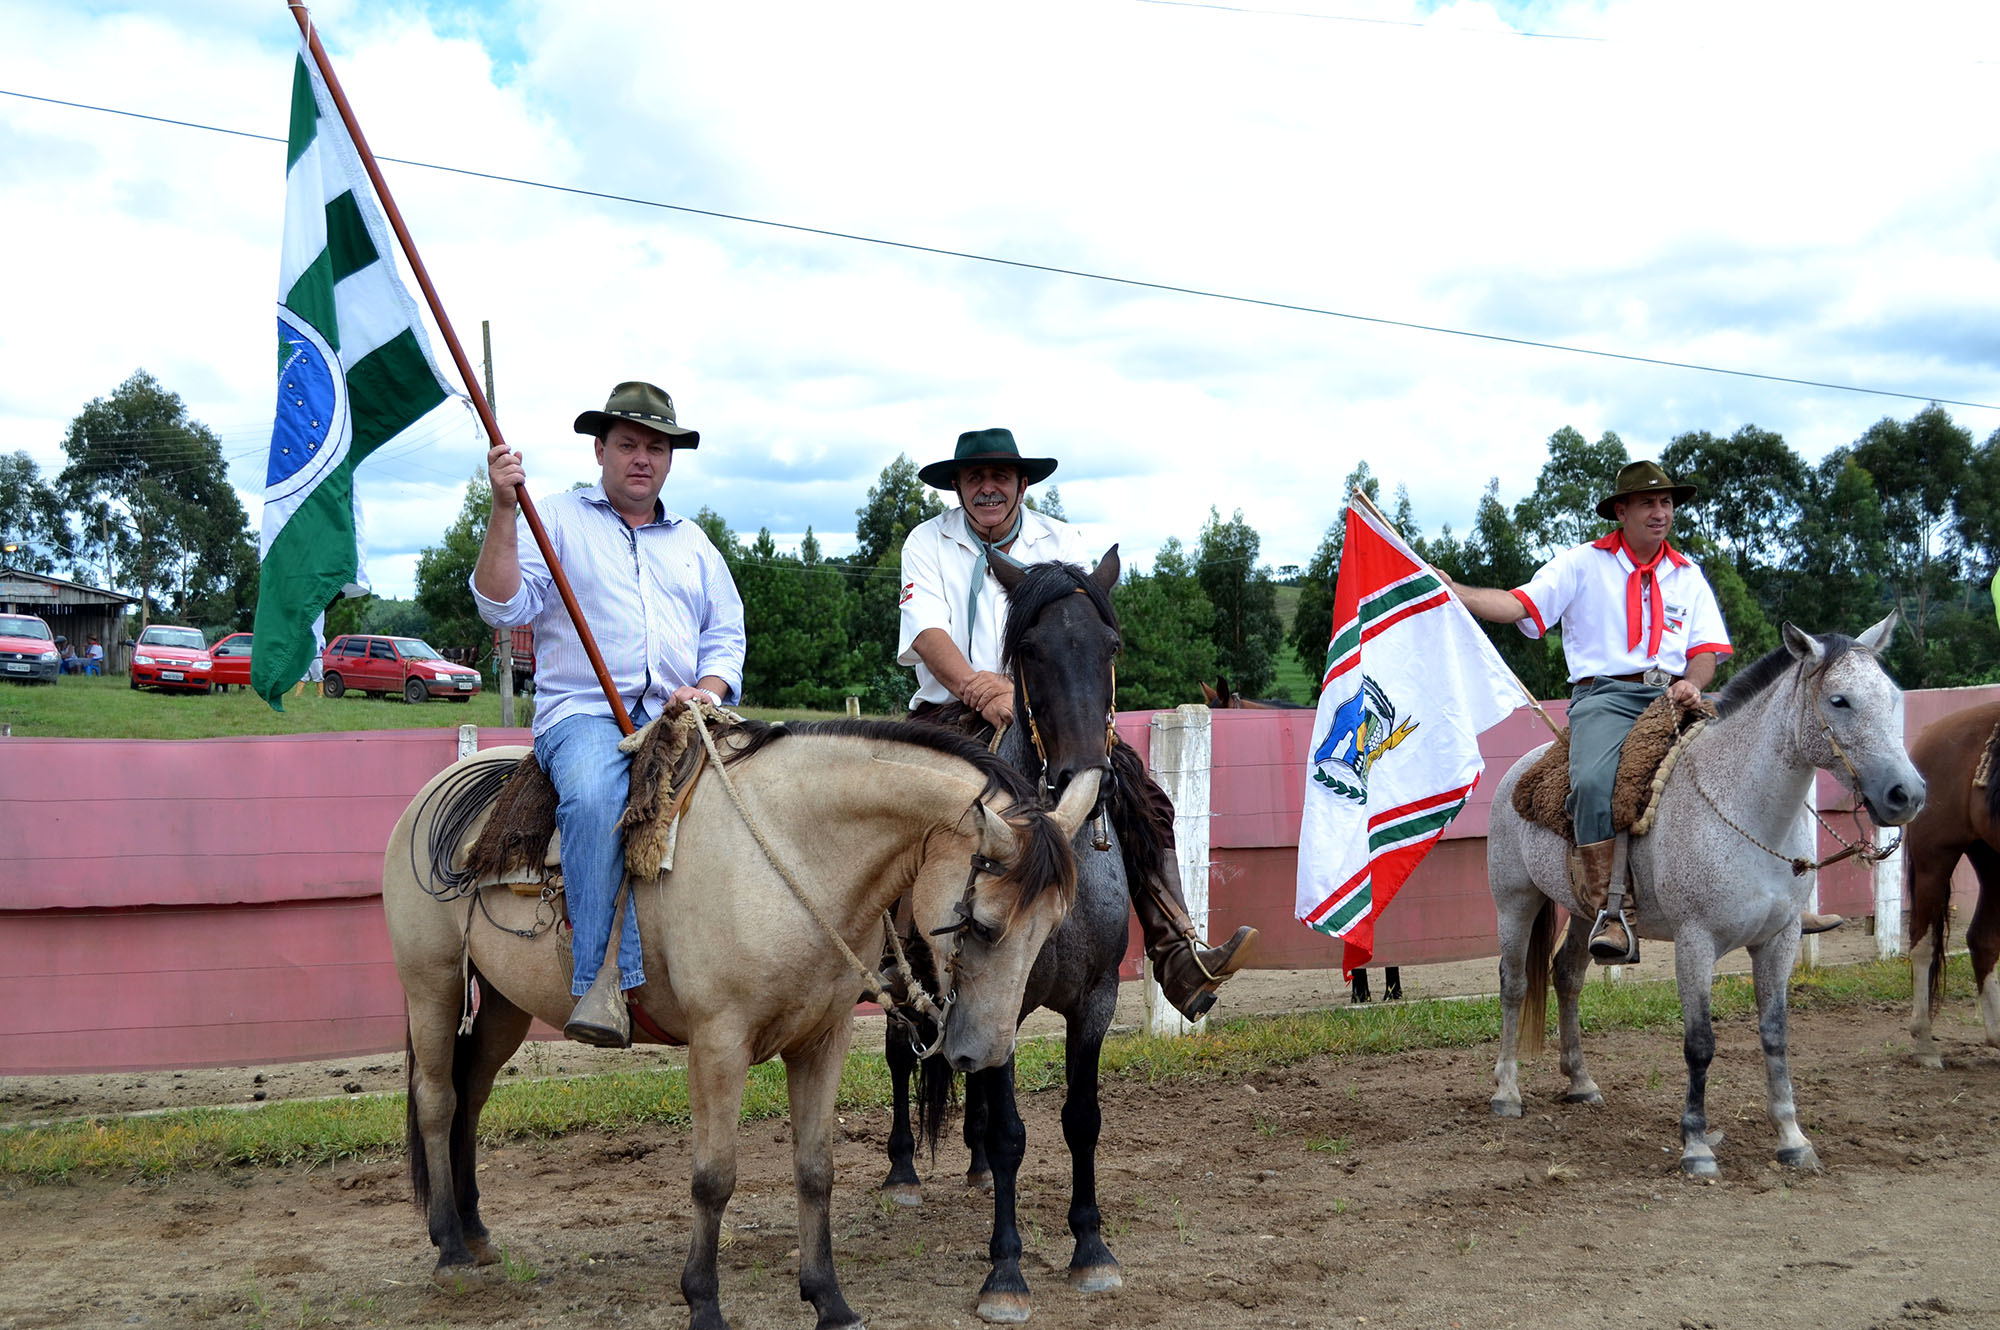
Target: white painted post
{"x":1809,"y":953}
{"x":468,"y":741}
{"x":1888,"y":874}
{"x":1181,"y":756}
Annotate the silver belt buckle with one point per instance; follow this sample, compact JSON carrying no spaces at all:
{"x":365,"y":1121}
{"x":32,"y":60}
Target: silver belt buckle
{"x":1655,"y":677}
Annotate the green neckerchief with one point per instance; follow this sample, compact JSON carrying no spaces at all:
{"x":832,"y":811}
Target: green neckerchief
{"x":988,"y":551}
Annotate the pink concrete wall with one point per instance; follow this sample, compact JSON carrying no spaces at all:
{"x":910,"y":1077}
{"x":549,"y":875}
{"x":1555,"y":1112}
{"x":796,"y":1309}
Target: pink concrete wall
{"x":215,"y":903}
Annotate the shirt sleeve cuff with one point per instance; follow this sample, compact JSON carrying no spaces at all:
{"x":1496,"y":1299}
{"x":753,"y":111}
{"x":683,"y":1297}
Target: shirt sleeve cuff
{"x":509,"y":613}
{"x":1715,"y":648}
{"x":1533,"y":615}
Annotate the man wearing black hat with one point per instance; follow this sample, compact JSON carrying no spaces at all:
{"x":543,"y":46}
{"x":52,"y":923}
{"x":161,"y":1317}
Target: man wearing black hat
{"x":1638,"y":619}
{"x":669,"y":624}
{"x":953,"y":612}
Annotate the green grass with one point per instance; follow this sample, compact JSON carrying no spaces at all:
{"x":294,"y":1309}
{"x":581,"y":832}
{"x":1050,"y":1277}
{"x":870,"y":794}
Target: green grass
{"x":321,"y":1132}
{"x":85,"y":707}
{"x":1291,"y":680}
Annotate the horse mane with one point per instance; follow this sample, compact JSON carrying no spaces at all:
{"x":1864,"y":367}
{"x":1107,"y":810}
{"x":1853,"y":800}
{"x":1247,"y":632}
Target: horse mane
{"x":1761,"y":673}
{"x":1992,"y":786}
{"x":1041,"y":861}
{"x":1040,"y":587}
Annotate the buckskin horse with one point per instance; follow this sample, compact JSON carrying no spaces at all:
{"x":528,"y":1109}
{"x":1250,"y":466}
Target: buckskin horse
{"x":1061,"y":642}
{"x":748,"y":960}
{"x":1961,"y":820}
{"x":1716,"y":872}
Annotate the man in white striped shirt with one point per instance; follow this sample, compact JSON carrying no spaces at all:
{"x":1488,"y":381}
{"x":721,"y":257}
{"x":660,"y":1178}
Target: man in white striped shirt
{"x":669,"y":624}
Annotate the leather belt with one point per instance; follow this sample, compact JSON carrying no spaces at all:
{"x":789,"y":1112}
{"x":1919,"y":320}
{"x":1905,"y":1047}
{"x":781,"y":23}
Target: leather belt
{"x":1657,"y":677}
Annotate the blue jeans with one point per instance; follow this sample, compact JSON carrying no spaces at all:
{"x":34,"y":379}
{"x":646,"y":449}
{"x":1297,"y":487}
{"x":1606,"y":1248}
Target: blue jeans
{"x":592,"y":778}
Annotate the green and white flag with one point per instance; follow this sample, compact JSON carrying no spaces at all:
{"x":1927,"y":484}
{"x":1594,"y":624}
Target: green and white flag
{"x":354,"y":372}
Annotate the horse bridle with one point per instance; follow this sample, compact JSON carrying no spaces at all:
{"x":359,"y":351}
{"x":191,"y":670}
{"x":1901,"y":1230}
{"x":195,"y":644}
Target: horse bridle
{"x":1098,"y":839}
{"x":938,"y":1008}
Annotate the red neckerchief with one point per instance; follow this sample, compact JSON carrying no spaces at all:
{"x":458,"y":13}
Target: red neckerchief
{"x":1643,"y":581}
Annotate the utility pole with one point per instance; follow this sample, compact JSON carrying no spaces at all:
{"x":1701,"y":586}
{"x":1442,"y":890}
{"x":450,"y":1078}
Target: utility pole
{"x":503,"y":638}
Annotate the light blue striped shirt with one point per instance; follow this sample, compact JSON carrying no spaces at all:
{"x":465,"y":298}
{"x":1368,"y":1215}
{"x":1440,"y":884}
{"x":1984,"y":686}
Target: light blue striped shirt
{"x":658,"y":599}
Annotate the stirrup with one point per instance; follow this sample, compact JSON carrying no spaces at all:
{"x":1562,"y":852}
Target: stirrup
{"x":1607,"y":955}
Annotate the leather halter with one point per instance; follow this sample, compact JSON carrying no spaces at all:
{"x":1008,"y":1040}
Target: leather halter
{"x":1035,"y":733}
{"x":922,"y":1003}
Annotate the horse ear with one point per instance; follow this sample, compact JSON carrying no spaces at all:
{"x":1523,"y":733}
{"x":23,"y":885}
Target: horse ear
{"x":1222,"y":689}
{"x":1077,"y":801}
{"x":997,"y":839}
{"x":1106,"y":575}
{"x":1876,"y":639}
{"x":1208,"y":694}
{"x":1803,"y":645}
{"x":1009,"y":575}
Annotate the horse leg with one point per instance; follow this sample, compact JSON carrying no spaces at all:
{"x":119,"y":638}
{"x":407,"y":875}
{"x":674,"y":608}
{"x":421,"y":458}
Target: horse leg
{"x":978,"y":1169}
{"x":1092,"y":1267}
{"x":1930,"y":913}
{"x":496,"y":1033}
{"x":1358,"y":989}
{"x":902,"y":1186}
{"x":1392,"y":984}
{"x":812,"y":1077}
{"x":1003,"y":1298}
{"x":1694,"y":973}
{"x":717,"y":1067}
{"x":1522,"y":915}
{"x":1983,"y":937}
{"x":1572,"y":967}
{"x":1770,"y":973}
{"x":435,"y":1121}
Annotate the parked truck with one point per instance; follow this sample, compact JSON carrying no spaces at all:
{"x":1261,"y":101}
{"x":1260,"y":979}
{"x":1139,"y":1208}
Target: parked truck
{"x":516,"y":647}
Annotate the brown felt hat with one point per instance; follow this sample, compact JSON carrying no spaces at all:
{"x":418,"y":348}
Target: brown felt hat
{"x":982,"y":447}
{"x":1641,"y":478}
{"x":641,"y":404}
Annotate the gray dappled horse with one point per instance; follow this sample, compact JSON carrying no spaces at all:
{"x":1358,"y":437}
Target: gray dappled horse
{"x":1714,"y":873}
{"x":1061,"y":641}
{"x":739,"y":969}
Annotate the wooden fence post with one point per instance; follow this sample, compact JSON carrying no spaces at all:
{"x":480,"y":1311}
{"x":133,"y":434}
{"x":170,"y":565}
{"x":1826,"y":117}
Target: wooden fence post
{"x":1182,"y":753}
{"x":1888,"y":881}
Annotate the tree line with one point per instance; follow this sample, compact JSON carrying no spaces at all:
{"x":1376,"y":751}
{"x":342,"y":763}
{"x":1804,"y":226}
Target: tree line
{"x":1908,"y":515}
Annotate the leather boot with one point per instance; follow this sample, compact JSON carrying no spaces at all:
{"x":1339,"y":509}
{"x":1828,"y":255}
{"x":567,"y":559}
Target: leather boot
{"x":1819,"y":923}
{"x":601,"y":1018}
{"x":1590,"y":880}
{"x":1186,"y":972}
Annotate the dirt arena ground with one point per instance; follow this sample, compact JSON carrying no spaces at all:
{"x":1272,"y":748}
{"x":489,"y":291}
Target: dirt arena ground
{"x":1372,"y":1192}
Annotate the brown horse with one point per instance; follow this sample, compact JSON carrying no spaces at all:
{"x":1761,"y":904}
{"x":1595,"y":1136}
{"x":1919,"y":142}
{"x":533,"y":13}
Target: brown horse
{"x":1961,"y":820}
{"x":862,"y":812}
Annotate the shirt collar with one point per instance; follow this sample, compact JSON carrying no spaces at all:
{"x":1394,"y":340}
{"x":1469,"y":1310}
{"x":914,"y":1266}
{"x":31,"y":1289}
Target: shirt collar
{"x":662,"y":515}
{"x":1033,"y":526}
{"x":1614,"y":542}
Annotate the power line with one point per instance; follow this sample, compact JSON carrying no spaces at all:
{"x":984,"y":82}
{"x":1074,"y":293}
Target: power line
{"x":1056,"y":270}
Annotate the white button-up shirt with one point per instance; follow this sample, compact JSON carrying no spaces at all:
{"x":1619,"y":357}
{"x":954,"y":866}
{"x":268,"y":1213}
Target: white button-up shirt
{"x":658,"y":598}
{"x":938,"y":559}
{"x":1620,"y":618}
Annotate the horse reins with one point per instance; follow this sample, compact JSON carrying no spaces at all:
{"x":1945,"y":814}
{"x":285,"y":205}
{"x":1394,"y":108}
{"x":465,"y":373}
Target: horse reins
{"x":1098,"y":840}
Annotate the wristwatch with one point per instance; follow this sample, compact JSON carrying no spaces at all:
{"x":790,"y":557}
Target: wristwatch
{"x":1655,"y":677}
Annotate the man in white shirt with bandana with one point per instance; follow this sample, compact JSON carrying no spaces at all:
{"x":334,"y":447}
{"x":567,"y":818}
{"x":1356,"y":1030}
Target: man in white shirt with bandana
{"x":1638,"y":619}
{"x":953,"y":614}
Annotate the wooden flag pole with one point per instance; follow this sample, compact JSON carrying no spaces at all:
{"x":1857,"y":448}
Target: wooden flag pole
{"x":1369,"y":504}
{"x":465,"y":374}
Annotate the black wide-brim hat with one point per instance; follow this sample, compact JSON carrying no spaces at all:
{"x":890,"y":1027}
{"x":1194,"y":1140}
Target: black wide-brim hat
{"x":982,"y":447}
{"x":639,"y":404}
{"x":1641,"y":478}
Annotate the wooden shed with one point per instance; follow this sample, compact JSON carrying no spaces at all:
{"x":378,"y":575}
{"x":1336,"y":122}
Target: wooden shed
{"x":71,"y":609}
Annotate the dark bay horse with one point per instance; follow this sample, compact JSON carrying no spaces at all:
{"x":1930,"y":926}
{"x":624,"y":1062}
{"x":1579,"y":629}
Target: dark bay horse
{"x":1061,"y":641}
{"x":864,"y":813}
{"x":1715,"y":873}
{"x":1961,"y":820}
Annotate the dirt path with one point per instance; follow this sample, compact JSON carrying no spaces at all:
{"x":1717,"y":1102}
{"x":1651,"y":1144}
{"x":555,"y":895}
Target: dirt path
{"x":1370,"y":1192}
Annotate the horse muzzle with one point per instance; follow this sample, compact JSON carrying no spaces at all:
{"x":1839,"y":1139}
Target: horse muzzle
{"x":1897,"y":802}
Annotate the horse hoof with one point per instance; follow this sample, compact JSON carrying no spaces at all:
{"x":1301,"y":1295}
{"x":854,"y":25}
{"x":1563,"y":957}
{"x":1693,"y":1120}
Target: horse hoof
{"x":453,"y":1278}
{"x":1506,"y":1108}
{"x":1592,"y":1097}
{"x":982,"y":1181}
{"x":1005,"y":1309}
{"x":1701,"y":1169}
{"x":1804,"y":1158}
{"x":1096,"y":1278}
{"x":908,"y":1194}
{"x":482,"y":1251}
{"x":1931,"y":1062}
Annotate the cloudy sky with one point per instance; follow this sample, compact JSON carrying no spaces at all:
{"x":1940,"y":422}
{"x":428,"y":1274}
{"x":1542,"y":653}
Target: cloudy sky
{"x":1802,"y":190}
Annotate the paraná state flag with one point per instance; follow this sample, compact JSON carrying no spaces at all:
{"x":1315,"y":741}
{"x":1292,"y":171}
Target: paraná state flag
{"x":355,"y":371}
{"x":1410,"y":681}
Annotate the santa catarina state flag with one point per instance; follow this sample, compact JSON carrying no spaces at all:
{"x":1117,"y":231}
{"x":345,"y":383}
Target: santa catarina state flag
{"x":354,"y":372}
{"x":1410,"y":682}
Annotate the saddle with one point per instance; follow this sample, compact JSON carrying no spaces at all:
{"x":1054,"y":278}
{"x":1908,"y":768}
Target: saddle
{"x":1644,"y":764}
{"x":514,"y":842}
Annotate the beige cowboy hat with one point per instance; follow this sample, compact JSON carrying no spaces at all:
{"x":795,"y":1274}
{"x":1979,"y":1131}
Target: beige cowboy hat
{"x":1641,"y":478}
{"x":640,"y":404}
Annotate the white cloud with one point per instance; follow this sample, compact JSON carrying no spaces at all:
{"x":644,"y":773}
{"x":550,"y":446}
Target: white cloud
{"x":1793,"y":189}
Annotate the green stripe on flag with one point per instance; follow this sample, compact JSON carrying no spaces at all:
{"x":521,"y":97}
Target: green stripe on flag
{"x":1357,"y":905}
{"x":305,"y":115}
{"x":387,"y":390}
{"x":347,"y":240}
{"x":311,"y":299}
{"x":309,"y":563}
{"x":1374,"y":608}
{"x":1412,"y":828}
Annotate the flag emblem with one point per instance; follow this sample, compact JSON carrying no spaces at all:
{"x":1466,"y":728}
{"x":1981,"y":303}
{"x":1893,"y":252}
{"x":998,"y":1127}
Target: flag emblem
{"x":1364,"y":727}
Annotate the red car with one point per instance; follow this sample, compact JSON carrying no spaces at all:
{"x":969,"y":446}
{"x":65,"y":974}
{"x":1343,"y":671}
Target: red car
{"x":379,"y":666}
{"x":27,"y":649}
{"x":167,"y":656}
{"x":232,"y":661}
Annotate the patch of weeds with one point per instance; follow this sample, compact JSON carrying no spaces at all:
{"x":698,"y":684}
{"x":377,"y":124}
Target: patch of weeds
{"x":1340,"y":1204}
{"x":1467,"y":1244}
{"x":516,"y":1270}
{"x":885,"y":1205}
{"x":1181,"y":1224}
{"x":308,"y":1317}
{"x":1653,"y":1079}
{"x":258,"y":1306}
{"x":1329,"y":1145}
{"x":915,"y":1251}
{"x":1266,"y":1127}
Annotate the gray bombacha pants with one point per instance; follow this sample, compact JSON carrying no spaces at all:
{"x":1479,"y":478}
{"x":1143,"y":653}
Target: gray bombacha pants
{"x":1600,"y":716}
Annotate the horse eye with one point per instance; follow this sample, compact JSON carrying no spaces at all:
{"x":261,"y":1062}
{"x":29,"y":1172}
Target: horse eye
{"x":1838,"y":700}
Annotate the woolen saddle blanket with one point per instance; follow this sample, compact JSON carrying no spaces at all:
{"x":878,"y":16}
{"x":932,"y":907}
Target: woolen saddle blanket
{"x":1644,"y":764}
{"x":514,"y":841}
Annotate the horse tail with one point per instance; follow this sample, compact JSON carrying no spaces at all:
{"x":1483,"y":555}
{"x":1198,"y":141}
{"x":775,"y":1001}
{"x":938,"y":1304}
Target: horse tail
{"x":1934,"y":981}
{"x":1535,"y":1004}
{"x":937,"y":1093}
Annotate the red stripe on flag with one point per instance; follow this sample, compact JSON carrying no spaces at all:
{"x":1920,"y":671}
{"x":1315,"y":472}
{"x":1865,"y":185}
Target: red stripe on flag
{"x":1319,"y":912}
{"x":1420,"y":805}
{"x":1384,"y":624}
